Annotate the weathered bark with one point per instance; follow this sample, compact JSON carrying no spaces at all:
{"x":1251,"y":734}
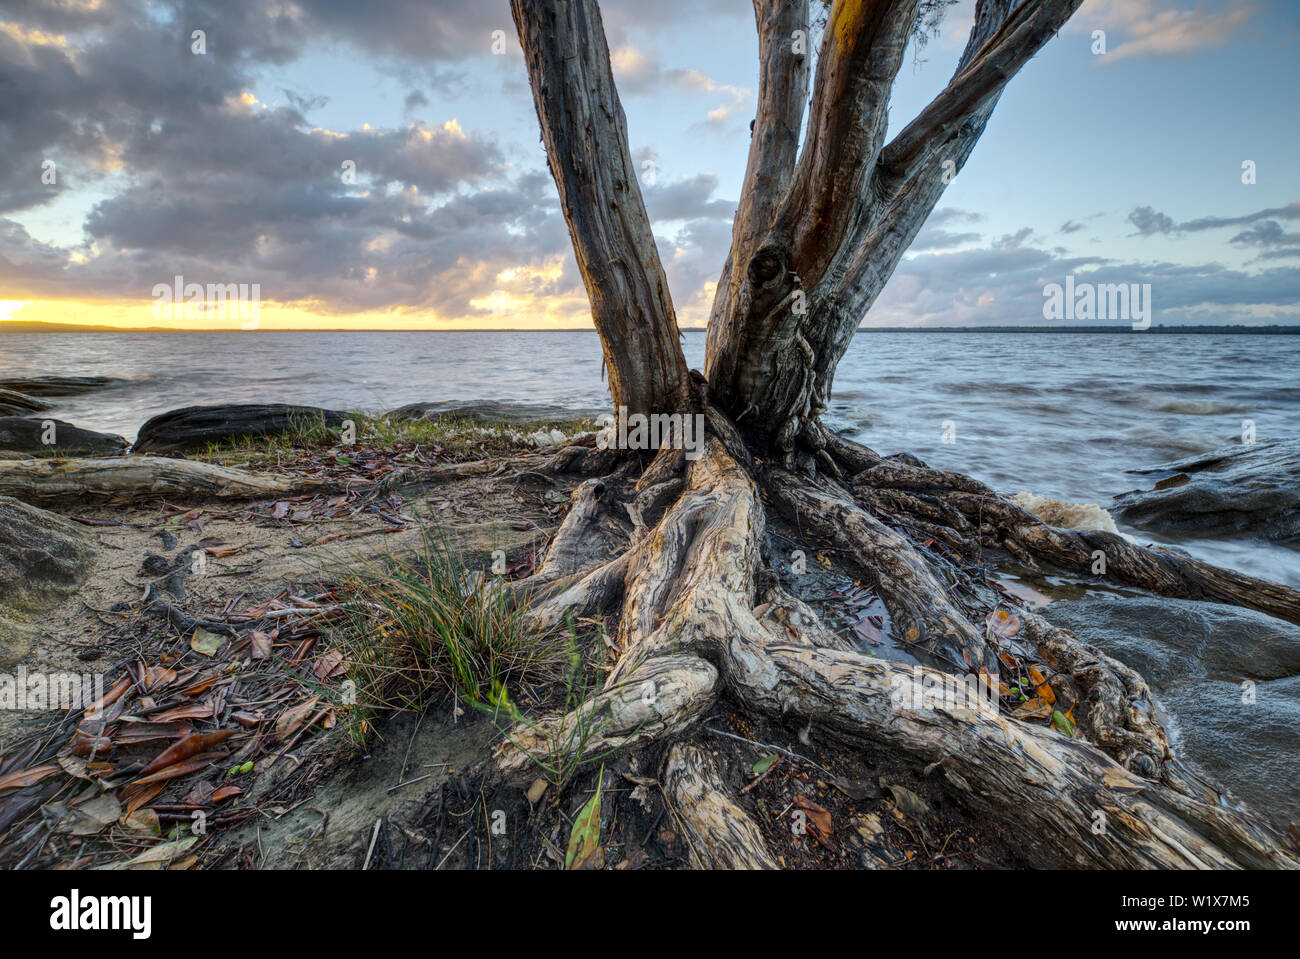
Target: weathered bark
{"x":585,"y":134}
{"x":720,"y":834}
{"x":140,"y":477}
{"x":996,"y":521}
{"x":773,"y":149}
{"x":853,"y":208}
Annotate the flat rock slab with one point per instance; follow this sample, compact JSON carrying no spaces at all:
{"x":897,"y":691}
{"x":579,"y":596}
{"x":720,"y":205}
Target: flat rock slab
{"x":13,"y":403}
{"x":58,"y":385}
{"x":1196,"y":656}
{"x":492,"y":411}
{"x":194,"y":427}
{"x":43,"y":559}
{"x":1244,"y":490}
{"x":26,"y":434}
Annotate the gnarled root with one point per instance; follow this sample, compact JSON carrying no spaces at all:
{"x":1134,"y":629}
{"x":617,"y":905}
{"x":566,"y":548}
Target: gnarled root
{"x":721,"y":835}
{"x":897,"y":486}
{"x":690,"y":629}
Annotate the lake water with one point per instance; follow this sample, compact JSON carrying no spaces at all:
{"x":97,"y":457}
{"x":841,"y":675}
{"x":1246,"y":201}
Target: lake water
{"x":1059,"y":415}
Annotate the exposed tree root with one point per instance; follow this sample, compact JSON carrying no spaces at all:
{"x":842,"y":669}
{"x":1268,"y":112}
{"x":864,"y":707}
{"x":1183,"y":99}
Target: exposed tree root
{"x":721,"y":835}
{"x":903,"y":490}
{"x":140,"y":477}
{"x":699,"y":619}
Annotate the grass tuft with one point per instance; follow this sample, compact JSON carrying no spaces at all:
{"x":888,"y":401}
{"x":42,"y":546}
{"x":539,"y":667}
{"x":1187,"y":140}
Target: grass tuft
{"x":423,"y":629}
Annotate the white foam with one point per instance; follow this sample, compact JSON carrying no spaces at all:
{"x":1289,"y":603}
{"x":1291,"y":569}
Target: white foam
{"x":1066,"y":515}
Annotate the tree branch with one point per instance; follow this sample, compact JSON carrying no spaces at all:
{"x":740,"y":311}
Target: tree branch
{"x":984,"y":71}
{"x":862,"y":51}
{"x":585,"y":133}
{"x":774,"y":147}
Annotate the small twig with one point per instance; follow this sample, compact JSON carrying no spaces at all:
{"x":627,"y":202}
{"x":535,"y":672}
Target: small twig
{"x":453,"y":848}
{"x":373,"y":836}
{"x":409,"y":782}
{"x":754,"y":742}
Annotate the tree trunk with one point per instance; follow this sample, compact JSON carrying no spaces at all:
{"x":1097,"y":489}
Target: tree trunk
{"x":585,"y":134}
{"x":854,"y":206}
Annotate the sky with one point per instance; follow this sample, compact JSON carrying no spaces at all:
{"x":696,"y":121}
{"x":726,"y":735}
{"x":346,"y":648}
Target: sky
{"x":378,"y":165}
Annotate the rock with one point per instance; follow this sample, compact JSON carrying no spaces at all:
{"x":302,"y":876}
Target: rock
{"x":492,"y":412}
{"x":1205,"y":662}
{"x":194,"y":427}
{"x":57,"y":385}
{"x":43,"y":559}
{"x":24,"y":434}
{"x":16,"y":404}
{"x":1252,"y":490}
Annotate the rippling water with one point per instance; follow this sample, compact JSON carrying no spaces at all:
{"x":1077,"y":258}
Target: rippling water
{"x":1060,"y":415}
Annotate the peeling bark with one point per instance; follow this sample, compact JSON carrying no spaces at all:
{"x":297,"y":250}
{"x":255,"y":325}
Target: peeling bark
{"x":140,"y":477}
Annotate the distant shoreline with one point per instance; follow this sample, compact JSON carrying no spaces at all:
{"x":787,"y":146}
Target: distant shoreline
{"x":1275,"y":330}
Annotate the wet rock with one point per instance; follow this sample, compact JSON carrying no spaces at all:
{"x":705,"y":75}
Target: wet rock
{"x":1244,"y":490}
{"x":492,"y":412}
{"x":13,"y":403}
{"x":43,"y":559}
{"x":26,"y":434}
{"x":57,"y":385}
{"x":194,"y":427}
{"x":1228,"y":677}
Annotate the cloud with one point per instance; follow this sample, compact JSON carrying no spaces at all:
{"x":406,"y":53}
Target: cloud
{"x":1149,"y":221}
{"x":687,"y":199}
{"x":638,"y":74}
{"x":1159,"y":28}
{"x":1002,"y":284}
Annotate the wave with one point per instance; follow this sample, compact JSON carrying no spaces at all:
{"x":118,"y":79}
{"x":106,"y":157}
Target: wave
{"x":1165,"y":403}
{"x":1054,"y":512}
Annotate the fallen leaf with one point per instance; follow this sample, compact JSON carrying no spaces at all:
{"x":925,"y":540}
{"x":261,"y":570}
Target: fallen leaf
{"x":143,"y":820}
{"x":291,"y":719}
{"x":261,"y":644}
{"x":182,"y":768}
{"x":1003,"y":622}
{"x":584,"y":840}
{"x":26,"y":777}
{"x":205,"y":642}
{"x":1043,"y":690}
{"x":162,"y":853}
{"x":194,"y":743}
{"x":327,"y":664}
{"x":1033,"y":709}
{"x":201,"y":710}
{"x":1062,"y":723}
{"x":906,"y":800}
{"x":96,"y":815}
